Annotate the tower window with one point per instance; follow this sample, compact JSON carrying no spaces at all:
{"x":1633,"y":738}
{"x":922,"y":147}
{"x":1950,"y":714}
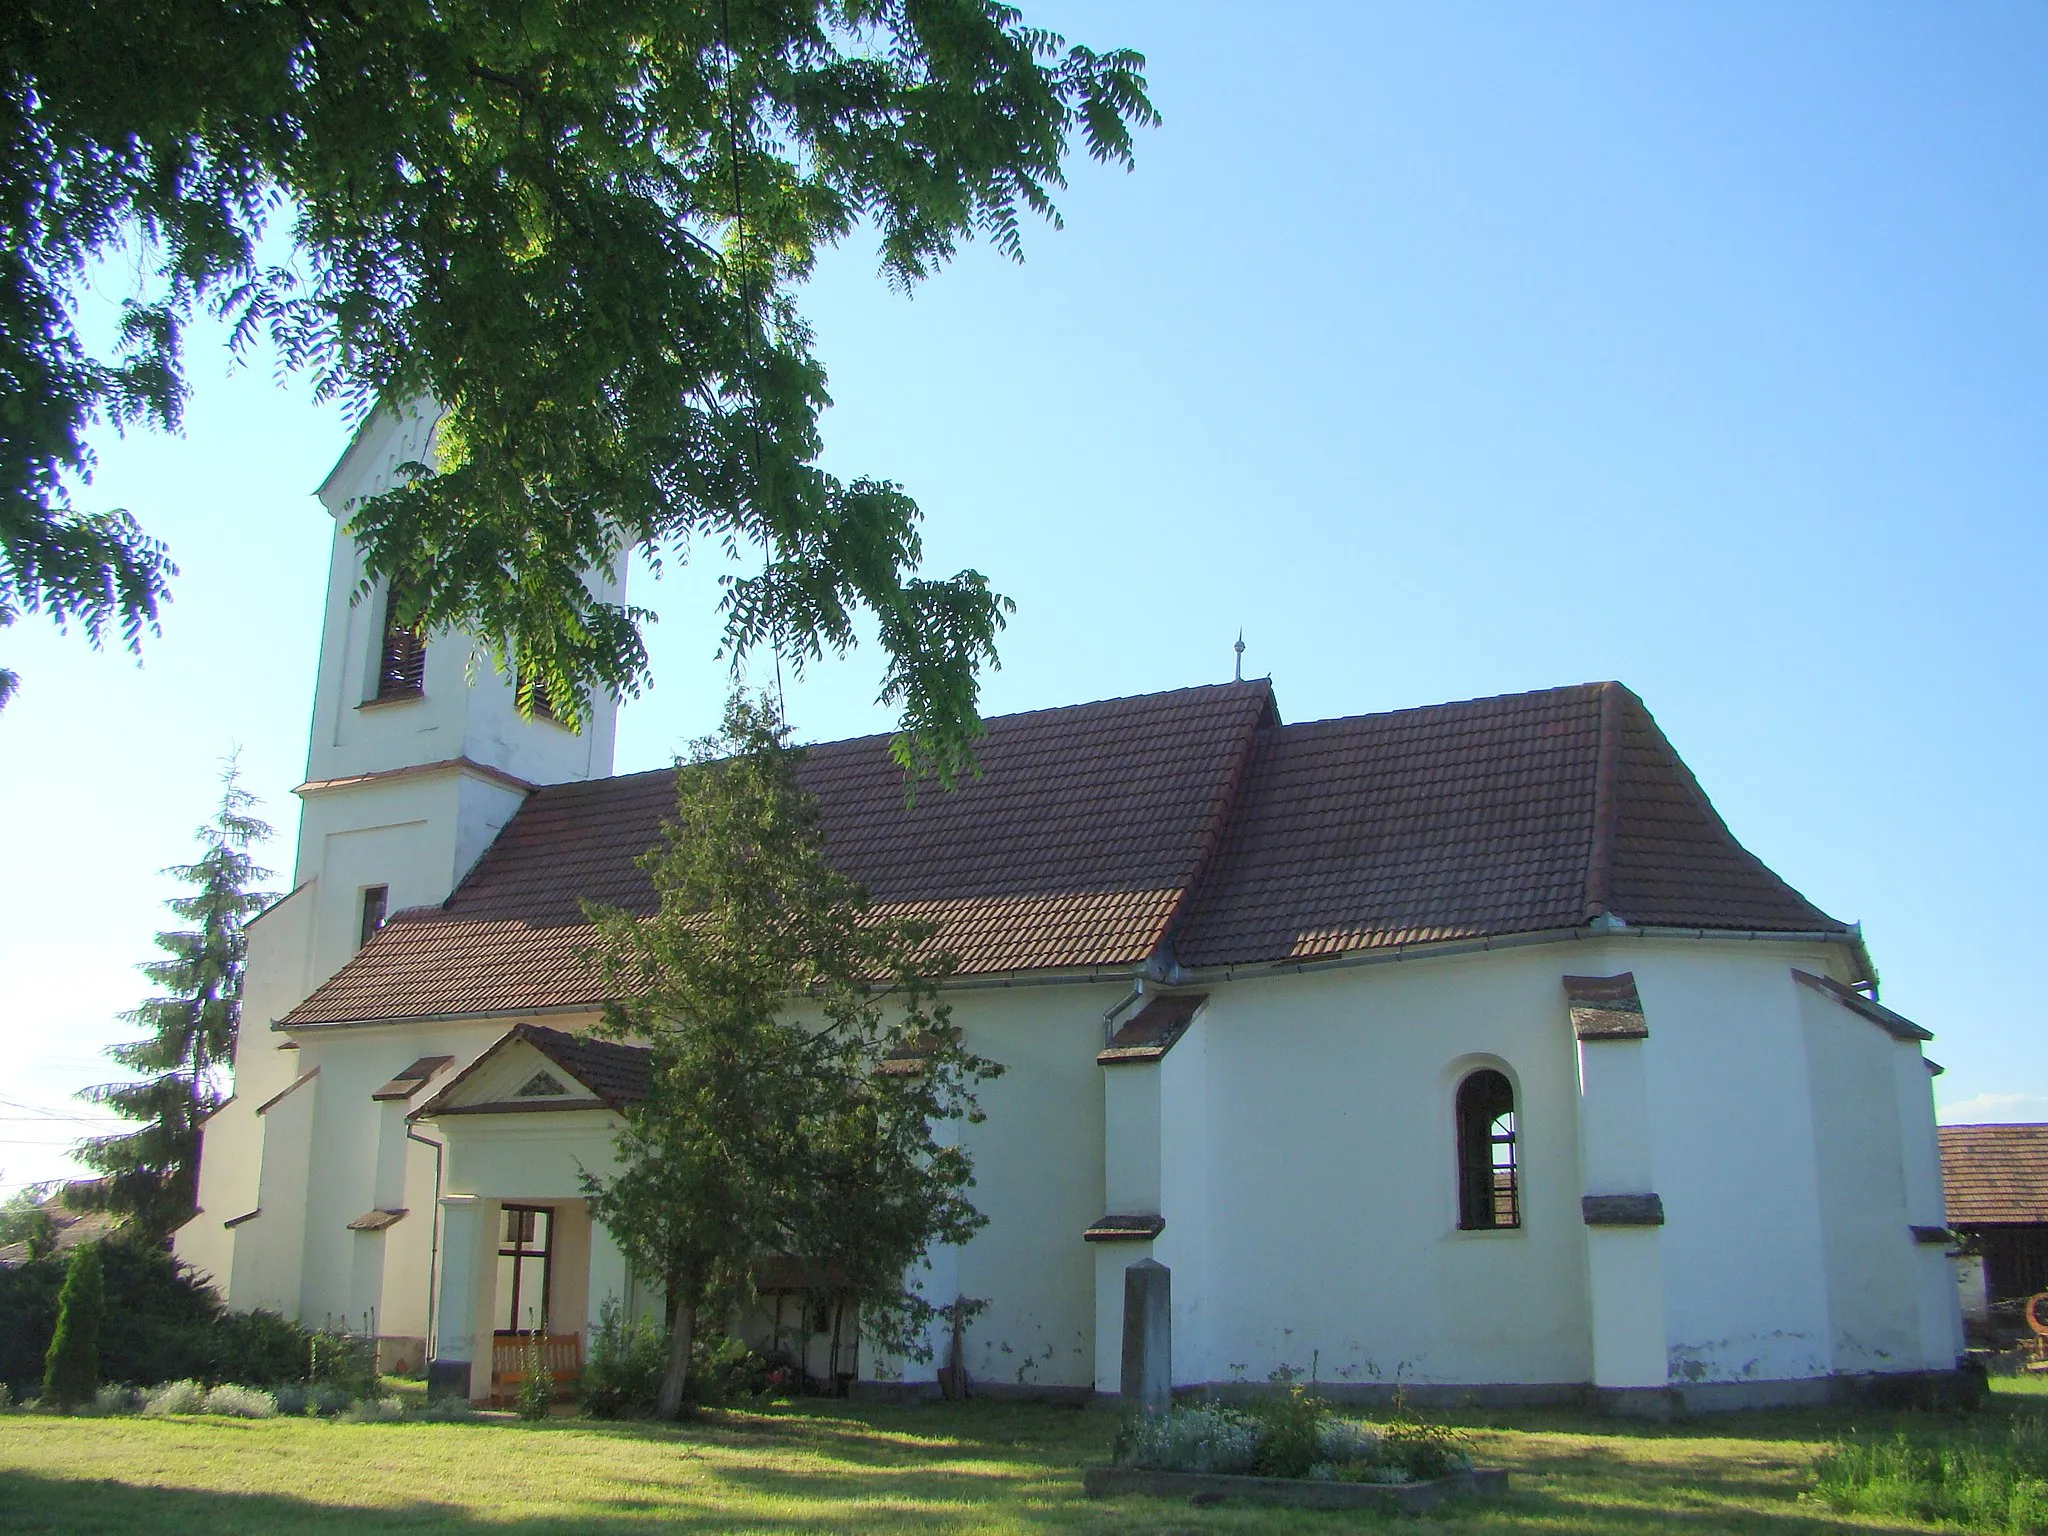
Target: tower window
{"x":402,"y":659}
{"x":535,"y":697}
{"x":376,"y":902}
{"x":1489,"y":1180}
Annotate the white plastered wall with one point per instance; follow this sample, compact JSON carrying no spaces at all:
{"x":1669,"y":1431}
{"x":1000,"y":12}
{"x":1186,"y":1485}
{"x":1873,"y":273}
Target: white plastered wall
{"x":1038,"y":1161}
{"x":1333,"y":1241}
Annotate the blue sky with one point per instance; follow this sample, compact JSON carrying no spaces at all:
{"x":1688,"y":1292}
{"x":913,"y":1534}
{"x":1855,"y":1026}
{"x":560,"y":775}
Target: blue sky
{"x":1449,"y":350}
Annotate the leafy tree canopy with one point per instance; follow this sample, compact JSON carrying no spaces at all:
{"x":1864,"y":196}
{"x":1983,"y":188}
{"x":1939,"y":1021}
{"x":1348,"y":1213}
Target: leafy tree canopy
{"x":575,"y":224}
{"x":803,"y":1073}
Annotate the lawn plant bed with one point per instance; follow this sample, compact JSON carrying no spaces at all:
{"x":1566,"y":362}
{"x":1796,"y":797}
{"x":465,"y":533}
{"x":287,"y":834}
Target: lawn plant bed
{"x":1297,"y":1492}
{"x":948,"y":1469}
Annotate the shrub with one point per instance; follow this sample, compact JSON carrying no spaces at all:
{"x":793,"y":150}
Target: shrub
{"x":1295,"y":1435}
{"x":185,"y":1396}
{"x":314,"y":1399}
{"x":347,"y":1361}
{"x":1205,"y":1438}
{"x":1290,"y":1432}
{"x":257,"y":1348}
{"x":71,"y":1369}
{"x":726,"y":1370}
{"x":161,"y":1323}
{"x":6,"y":1397}
{"x":622,"y":1375}
{"x":536,"y":1381}
{"x":1988,"y":1479}
{"x":372,"y":1410}
{"x":446,"y":1410}
{"x":113,"y":1401}
{"x":228,"y":1401}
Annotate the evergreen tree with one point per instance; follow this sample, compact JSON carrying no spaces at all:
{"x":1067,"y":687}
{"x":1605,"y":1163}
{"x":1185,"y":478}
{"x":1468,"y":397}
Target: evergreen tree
{"x":801,"y":1065}
{"x":151,"y":1175}
{"x":71,"y":1370}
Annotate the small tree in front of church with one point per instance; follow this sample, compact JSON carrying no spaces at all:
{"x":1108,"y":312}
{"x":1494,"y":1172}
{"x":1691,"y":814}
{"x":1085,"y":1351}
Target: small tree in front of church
{"x":150,"y":1176}
{"x":801,"y":1064}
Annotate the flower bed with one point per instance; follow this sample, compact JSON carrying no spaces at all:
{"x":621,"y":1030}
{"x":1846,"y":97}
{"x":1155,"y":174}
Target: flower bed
{"x":1301,"y":1492}
{"x":1293,"y":1449}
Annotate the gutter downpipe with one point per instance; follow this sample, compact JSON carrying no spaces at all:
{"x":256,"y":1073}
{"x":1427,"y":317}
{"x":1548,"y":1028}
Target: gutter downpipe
{"x":1109,"y":1018}
{"x":433,"y":1242}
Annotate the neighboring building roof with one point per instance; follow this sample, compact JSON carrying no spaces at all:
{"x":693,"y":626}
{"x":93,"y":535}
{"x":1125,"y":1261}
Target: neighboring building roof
{"x":1995,"y":1175}
{"x":1188,"y":826}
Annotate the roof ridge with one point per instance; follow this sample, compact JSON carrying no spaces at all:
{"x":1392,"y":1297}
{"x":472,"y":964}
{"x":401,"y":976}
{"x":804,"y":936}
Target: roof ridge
{"x":1217,"y":832}
{"x":1606,"y":773}
{"x":1528,"y":695}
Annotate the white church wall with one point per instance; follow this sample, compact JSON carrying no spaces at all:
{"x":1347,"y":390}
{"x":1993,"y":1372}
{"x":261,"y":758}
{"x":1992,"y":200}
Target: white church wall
{"x":1334,"y":1241}
{"x":354,"y":1063}
{"x":1184,"y":1158}
{"x":1745,"y":1266}
{"x":1934,"y":1264}
{"x":1038,"y":1169}
{"x":233,"y":1137}
{"x":1872,"y":1262}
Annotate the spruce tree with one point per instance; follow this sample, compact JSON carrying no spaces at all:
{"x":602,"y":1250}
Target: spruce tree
{"x":802,"y":1064}
{"x":151,"y":1175}
{"x":71,"y":1369}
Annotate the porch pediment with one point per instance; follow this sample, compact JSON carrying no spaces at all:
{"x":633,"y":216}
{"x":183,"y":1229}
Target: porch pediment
{"x":530,"y":1070}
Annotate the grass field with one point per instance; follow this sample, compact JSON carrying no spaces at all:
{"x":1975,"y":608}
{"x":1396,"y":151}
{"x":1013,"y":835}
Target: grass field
{"x":827,"y":1467}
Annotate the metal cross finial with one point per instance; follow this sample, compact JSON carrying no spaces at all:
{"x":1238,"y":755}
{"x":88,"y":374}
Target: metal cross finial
{"x":1238,"y":675}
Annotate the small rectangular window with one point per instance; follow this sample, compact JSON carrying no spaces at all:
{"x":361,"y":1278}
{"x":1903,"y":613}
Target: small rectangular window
{"x":376,"y":900}
{"x":536,"y":697}
{"x":402,"y":658}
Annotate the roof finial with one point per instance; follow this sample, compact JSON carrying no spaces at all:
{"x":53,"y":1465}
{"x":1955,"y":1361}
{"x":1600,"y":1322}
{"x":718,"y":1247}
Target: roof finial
{"x":1237,"y":675}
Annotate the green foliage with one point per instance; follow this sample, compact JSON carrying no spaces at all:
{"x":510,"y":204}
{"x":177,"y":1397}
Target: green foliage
{"x":578,"y":227}
{"x":1984,"y":1478}
{"x":1421,"y":1446}
{"x":161,"y":1324}
{"x":623,"y":1367}
{"x":1296,"y":1434}
{"x":344,"y":1361}
{"x":1202,"y":1437}
{"x":728,"y":1370}
{"x":1290,"y":1432}
{"x":25,"y":1218}
{"x":536,"y":1381}
{"x":151,"y":1175}
{"x":772,"y":998}
{"x":71,"y":1369}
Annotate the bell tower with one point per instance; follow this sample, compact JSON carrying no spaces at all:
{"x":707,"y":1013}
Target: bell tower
{"x":419,"y":753}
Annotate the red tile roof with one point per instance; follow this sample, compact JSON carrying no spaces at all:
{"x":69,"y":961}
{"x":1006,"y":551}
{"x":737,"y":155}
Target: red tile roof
{"x":1188,"y":826}
{"x":1458,"y":821}
{"x":1074,"y":849}
{"x":1995,"y":1175}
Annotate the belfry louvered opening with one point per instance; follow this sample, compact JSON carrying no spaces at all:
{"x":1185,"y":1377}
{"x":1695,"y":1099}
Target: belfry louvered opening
{"x":402,"y":658}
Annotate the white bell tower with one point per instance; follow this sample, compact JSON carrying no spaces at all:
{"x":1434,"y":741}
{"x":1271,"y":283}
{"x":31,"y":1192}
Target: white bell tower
{"x":419,"y":753}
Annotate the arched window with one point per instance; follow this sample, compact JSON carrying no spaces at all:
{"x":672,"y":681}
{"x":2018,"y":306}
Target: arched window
{"x":1489,"y":1188}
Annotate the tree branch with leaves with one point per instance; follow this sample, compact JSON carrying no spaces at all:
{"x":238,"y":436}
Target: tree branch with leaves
{"x":578,"y":226}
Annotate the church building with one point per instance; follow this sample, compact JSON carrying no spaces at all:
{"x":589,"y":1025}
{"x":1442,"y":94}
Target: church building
{"x":1460,"y":1047}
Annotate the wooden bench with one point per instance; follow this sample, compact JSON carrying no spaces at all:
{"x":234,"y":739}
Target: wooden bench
{"x":562,"y":1352}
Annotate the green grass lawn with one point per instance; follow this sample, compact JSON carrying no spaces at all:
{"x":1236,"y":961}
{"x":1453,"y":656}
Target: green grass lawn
{"x":829,"y":1467}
